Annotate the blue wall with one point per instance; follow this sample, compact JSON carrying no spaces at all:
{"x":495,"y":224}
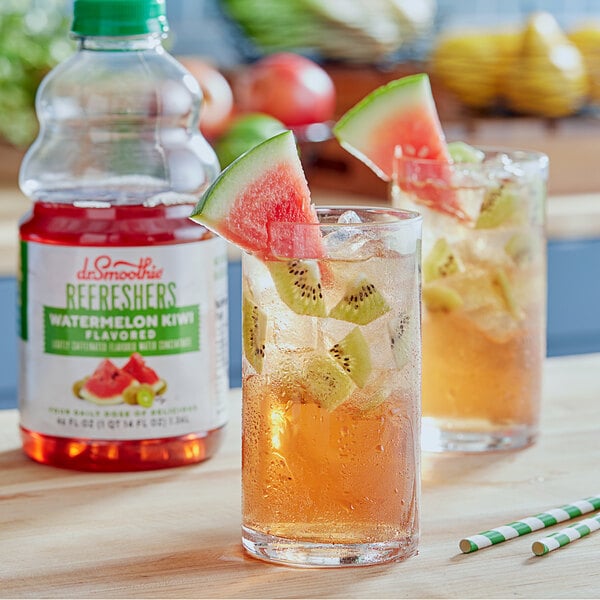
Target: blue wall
{"x":573,"y":297}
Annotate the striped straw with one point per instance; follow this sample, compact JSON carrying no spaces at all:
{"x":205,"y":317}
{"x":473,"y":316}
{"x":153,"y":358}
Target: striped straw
{"x":566,"y":536}
{"x":529,"y":524}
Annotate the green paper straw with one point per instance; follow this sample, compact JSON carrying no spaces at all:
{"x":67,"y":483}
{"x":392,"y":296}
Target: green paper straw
{"x":566,"y":536}
{"x":529,"y":524}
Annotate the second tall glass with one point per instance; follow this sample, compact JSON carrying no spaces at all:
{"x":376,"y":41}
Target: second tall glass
{"x":484,"y":296}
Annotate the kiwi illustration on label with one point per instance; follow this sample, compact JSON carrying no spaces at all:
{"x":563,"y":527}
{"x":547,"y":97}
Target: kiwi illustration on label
{"x":441,"y":261}
{"x":441,"y":298}
{"x":399,"y":338}
{"x":77,"y":387}
{"x":361,"y":303}
{"x":254,"y":330}
{"x":500,"y":206}
{"x":352,"y":354}
{"x":298,"y":284}
{"x":326,"y":381}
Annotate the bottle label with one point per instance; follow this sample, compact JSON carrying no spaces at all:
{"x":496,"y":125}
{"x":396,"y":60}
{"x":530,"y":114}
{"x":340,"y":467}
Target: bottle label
{"x":124,"y":343}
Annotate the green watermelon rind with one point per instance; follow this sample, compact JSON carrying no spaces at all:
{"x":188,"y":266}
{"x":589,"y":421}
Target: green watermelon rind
{"x":354,"y":130}
{"x":223,"y":194}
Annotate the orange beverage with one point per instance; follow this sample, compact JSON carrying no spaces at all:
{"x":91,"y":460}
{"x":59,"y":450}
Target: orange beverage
{"x":484,"y":297}
{"x":331,"y":395}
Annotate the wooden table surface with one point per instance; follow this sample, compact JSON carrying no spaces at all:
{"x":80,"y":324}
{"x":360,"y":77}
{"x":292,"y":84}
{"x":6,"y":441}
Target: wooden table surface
{"x":175,"y":533}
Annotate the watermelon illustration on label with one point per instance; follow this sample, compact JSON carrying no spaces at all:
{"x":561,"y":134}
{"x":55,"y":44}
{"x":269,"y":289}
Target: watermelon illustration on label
{"x":106,"y":384}
{"x":136,"y":367}
{"x":135,"y":383}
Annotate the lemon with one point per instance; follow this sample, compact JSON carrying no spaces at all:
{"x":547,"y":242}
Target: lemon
{"x":587,"y":40}
{"x":549,"y":77}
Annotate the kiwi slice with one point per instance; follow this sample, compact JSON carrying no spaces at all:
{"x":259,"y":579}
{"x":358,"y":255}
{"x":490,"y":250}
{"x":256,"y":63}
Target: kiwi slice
{"x":520,"y":247}
{"x":399,"y":336}
{"x":327,"y":381}
{"x":500,"y":280}
{"x":77,"y":387}
{"x":145,"y":395}
{"x":352,"y":354}
{"x":499,"y":206}
{"x":438,"y":297}
{"x":441,"y":261}
{"x":130,"y":394}
{"x":298,"y":284}
{"x":461,"y":152}
{"x":254,"y":329}
{"x":361,"y":304}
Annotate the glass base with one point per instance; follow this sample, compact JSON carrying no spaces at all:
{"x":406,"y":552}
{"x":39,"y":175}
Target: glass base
{"x":310,"y":554}
{"x":438,"y":436}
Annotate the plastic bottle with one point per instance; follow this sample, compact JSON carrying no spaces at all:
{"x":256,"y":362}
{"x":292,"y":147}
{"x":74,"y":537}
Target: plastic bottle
{"x":123,"y":299}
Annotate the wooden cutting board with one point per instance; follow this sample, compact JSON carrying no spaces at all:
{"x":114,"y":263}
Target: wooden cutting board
{"x":175,"y":533}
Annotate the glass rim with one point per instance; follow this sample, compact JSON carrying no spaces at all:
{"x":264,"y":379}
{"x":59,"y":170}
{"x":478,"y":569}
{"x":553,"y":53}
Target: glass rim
{"x":395,"y":217}
{"x":518,"y":155}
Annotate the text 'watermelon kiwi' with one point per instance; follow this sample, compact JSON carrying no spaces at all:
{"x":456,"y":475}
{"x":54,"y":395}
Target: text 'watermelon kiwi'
{"x":400,"y":119}
{"x":265,"y":185}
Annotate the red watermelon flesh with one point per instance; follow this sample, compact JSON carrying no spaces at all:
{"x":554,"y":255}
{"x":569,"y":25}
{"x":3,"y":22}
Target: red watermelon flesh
{"x":430,"y":181}
{"x":265,"y":185}
{"x":106,"y":384}
{"x":136,"y":367}
{"x":401,"y":118}
{"x":417,"y":131}
{"x":277,"y":197}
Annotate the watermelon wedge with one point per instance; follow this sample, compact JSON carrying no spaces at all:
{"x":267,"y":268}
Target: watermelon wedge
{"x":399,"y":121}
{"x":106,"y":384}
{"x":263,"y":187}
{"x":136,"y":367}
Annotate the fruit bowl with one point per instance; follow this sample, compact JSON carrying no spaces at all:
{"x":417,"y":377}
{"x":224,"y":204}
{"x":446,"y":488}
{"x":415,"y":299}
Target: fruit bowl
{"x":361,"y":31}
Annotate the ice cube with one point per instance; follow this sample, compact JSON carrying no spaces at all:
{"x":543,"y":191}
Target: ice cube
{"x":351,"y":246}
{"x":349,"y":216}
{"x":347,"y":242}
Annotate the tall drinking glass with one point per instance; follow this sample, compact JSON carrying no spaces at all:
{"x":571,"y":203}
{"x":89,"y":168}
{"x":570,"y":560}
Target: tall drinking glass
{"x":331,"y":392}
{"x":484,"y":296}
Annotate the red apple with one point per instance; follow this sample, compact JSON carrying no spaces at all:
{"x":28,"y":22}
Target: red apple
{"x":289,"y":87}
{"x":217,"y":105}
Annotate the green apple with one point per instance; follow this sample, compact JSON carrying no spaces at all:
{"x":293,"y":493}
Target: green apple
{"x":245,"y":132}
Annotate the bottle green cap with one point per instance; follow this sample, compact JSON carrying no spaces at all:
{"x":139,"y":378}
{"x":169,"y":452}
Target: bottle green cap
{"x":108,"y":18}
